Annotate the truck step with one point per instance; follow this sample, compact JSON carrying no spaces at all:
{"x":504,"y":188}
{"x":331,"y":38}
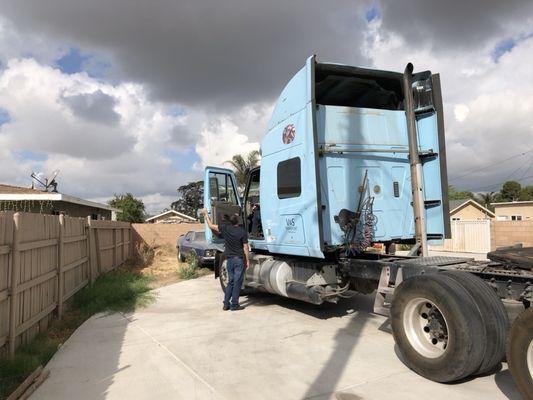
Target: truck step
{"x":385,"y":291}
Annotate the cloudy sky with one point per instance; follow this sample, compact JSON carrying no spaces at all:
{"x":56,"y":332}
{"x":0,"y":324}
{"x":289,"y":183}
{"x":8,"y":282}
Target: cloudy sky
{"x":138,"y":96}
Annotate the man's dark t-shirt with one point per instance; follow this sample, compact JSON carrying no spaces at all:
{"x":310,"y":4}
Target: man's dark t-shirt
{"x":234,"y":238}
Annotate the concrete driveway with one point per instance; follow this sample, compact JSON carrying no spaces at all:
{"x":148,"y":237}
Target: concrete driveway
{"x":185,"y":347}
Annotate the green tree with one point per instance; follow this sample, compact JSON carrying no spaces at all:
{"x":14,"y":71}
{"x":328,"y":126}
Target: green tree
{"x":526,"y":193}
{"x":131,"y":209}
{"x":190,"y":198}
{"x":510,"y":191}
{"x":454,"y":194}
{"x":486,"y":199}
{"x":243,"y":164}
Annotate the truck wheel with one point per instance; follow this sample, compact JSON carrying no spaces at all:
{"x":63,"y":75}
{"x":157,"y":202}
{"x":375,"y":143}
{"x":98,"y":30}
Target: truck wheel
{"x":520,"y":353}
{"x":223,"y":272}
{"x":437,"y":327}
{"x":493,"y":315}
{"x":223,"y":276}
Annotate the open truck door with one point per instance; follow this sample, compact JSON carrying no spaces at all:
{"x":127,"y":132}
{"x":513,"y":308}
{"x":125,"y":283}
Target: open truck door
{"x":221,"y":198}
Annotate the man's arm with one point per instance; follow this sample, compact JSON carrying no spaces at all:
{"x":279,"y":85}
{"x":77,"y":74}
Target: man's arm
{"x":246,"y":254}
{"x":210,"y":224}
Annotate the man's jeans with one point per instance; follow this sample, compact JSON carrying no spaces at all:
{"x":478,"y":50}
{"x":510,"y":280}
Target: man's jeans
{"x":235,"y":266}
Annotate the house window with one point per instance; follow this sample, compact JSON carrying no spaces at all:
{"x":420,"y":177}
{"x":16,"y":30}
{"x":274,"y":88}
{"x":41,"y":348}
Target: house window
{"x":94,"y":216}
{"x":456,"y":218}
{"x":516,"y":218}
{"x":289,"y":178}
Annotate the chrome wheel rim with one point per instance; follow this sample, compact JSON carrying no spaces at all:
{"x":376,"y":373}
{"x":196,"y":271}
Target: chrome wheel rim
{"x":530,"y":358}
{"x":425,"y":327}
{"x":224,"y":273}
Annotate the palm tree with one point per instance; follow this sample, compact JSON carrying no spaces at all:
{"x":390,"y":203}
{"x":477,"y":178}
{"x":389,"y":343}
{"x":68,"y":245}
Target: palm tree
{"x":242,"y":165}
{"x":485,"y":199}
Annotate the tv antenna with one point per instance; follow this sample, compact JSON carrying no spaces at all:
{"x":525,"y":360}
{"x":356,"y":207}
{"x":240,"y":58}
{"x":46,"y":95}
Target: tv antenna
{"x":48,"y":182}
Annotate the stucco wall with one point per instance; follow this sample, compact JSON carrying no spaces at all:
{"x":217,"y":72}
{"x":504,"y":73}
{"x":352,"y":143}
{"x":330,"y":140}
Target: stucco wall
{"x":525,"y":210}
{"x":507,"y":233}
{"x":162,"y":234}
{"x":469,"y":212}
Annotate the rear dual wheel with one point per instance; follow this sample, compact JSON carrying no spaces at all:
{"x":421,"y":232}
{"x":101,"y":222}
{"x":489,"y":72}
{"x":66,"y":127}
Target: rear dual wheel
{"x":442,"y":324}
{"x":520,"y":353}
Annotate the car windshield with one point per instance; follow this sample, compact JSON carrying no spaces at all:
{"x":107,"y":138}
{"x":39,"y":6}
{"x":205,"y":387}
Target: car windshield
{"x":199,"y":236}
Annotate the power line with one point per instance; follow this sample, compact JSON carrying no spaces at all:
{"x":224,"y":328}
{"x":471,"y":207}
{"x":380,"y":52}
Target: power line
{"x":491,"y":165}
{"x":499,"y":183}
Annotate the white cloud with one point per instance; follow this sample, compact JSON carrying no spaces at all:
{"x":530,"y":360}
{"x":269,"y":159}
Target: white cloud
{"x":461,"y":112}
{"x":99,"y":152}
{"x":488,"y":105}
{"x":220,"y":140}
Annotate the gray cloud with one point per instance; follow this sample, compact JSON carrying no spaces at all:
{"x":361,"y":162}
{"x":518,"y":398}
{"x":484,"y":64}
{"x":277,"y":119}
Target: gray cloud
{"x":203,"y":53}
{"x":93,"y":107}
{"x":455,"y":24}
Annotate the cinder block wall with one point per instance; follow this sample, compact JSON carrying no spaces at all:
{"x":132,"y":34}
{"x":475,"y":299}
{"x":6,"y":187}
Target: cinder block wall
{"x":507,"y":233}
{"x":161,"y":234}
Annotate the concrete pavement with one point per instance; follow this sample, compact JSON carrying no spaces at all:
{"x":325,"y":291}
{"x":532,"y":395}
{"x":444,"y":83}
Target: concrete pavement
{"x":185,"y":347}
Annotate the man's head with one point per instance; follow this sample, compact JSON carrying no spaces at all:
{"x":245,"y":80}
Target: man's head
{"x":234,"y":219}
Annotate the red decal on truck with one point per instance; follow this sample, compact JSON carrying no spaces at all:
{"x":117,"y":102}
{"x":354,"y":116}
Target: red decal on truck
{"x":288,"y":134}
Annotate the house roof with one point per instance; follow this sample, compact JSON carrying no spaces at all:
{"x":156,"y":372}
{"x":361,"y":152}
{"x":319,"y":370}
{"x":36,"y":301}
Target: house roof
{"x":17,"y":193}
{"x":170,"y":213}
{"x":456,"y":204}
{"x":512,"y":203}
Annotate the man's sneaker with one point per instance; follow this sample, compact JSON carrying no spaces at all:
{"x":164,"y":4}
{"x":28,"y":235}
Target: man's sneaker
{"x":237,"y":308}
{"x":225,"y":307}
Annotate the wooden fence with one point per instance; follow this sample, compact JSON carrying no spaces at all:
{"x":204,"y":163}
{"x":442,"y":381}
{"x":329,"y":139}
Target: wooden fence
{"x":44,"y":261}
{"x":467,"y":237}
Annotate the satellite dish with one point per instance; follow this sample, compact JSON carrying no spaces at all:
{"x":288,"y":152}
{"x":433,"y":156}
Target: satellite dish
{"x":49,"y":182}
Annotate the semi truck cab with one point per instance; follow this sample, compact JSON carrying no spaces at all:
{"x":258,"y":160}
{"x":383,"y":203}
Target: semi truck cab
{"x":352,"y":157}
{"x":337,"y":149}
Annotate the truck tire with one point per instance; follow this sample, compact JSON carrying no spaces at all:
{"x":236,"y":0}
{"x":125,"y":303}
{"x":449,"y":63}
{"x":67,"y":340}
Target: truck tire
{"x":520,"y":353}
{"x":437,"y":327}
{"x":223,"y":275}
{"x":223,"y":272}
{"x":493,"y":314}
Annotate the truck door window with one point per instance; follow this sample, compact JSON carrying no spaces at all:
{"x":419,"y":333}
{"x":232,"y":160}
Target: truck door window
{"x":289,"y":178}
{"x":252,"y":207}
{"x":221,"y":188}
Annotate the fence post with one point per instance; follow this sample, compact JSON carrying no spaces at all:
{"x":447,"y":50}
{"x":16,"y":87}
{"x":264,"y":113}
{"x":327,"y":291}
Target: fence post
{"x":60,"y":264}
{"x":97,"y":249}
{"x":89,"y":249}
{"x":15,"y":268}
{"x":115,"y":243}
{"x":123,"y":231}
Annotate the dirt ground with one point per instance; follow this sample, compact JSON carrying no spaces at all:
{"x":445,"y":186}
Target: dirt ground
{"x":165,"y":267}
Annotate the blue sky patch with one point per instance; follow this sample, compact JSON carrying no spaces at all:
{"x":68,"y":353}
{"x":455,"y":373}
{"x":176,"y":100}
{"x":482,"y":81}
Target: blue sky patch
{"x":507,"y":45}
{"x":72,"y":62}
{"x":503,"y":47}
{"x":184,"y":160}
{"x":372,"y":13}
{"x":4,"y":116}
{"x":30,"y":155}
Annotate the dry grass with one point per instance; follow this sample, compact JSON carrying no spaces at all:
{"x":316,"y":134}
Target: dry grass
{"x":165,"y":269}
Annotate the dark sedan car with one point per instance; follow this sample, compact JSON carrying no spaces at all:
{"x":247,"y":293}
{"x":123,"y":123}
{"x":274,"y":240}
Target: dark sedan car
{"x":194,"y":242}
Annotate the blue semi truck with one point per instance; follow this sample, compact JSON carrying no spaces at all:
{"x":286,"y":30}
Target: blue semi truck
{"x":354,"y":157}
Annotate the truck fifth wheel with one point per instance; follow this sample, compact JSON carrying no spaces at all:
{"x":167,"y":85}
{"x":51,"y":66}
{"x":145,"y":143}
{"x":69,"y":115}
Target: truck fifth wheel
{"x":354,"y":157}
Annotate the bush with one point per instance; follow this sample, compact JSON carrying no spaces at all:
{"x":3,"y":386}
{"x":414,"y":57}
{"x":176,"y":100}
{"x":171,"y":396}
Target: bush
{"x":145,"y":253}
{"x":117,"y":290}
{"x":189,"y":269}
{"x":114,"y":291}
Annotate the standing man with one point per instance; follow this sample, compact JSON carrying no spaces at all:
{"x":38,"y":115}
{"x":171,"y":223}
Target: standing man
{"x":236,"y":249}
